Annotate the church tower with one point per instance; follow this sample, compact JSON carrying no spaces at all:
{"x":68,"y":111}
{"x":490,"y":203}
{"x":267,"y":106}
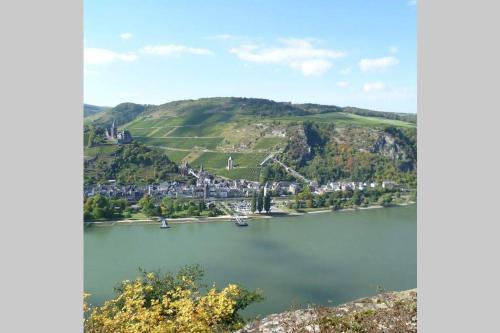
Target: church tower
{"x":201,"y":176}
{"x":113,"y":130}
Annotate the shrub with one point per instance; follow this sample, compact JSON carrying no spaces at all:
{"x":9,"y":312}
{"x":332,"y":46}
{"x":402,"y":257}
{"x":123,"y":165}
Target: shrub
{"x":170,"y":303}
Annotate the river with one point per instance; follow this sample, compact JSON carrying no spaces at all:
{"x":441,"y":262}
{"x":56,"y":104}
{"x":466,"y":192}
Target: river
{"x":326,"y":258}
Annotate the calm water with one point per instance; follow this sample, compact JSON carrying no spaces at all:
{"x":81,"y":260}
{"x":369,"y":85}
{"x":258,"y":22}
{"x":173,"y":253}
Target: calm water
{"x":325,"y":258}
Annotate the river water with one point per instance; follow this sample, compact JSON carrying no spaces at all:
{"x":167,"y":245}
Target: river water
{"x":326,"y":258}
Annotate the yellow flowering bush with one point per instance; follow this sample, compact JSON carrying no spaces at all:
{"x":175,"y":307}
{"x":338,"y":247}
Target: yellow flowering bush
{"x":166,"y":303}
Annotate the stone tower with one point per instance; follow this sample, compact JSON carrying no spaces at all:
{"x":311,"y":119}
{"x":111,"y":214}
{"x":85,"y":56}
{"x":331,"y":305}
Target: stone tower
{"x":230,"y":163}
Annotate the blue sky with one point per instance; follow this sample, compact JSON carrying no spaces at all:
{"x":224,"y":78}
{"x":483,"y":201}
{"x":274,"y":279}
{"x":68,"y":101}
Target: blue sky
{"x":347,"y":53}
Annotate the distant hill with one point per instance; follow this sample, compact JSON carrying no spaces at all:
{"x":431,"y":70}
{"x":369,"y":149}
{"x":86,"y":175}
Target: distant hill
{"x":228,"y":107}
{"x":89,"y":110}
{"x":122,"y":113}
{"x":409,"y":117}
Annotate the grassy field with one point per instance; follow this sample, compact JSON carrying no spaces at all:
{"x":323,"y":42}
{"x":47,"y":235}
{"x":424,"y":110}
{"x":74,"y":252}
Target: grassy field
{"x":202,"y":130}
{"x":104,"y":149}
{"x":267,"y":143}
{"x":140,"y":131}
{"x":162,"y":131}
{"x":141,"y":123}
{"x":184,"y":143}
{"x":219,"y":160}
{"x":175,"y":155}
{"x":241,"y":173}
{"x":347,"y":119}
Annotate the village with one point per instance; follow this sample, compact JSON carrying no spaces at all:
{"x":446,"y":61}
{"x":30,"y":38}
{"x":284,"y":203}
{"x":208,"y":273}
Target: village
{"x":213,"y":187}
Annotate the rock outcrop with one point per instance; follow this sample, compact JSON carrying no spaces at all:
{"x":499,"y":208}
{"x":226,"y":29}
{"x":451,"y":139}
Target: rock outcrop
{"x":394,"y":145}
{"x":387,"y":312}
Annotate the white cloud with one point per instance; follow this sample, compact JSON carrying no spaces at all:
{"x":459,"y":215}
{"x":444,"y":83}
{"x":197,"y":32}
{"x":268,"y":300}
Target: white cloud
{"x":93,"y":56}
{"x":126,"y":35}
{"x":345,"y":71}
{"x":377,"y":64}
{"x":172,"y":49}
{"x":373,"y":86}
{"x":313,"y":67}
{"x":393,"y":49}
{"x":343,"y":84}
{"x":298,"y":54}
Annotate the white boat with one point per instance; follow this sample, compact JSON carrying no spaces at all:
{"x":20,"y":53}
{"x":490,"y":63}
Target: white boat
{"x":240,"y":222}
{"x":164,"y":223}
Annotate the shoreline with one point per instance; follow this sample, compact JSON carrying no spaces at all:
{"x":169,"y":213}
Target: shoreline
{"x":227,"y":218}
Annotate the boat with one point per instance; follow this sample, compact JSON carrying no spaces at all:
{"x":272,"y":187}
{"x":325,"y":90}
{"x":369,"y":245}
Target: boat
{"x":164,"y":223}
{"x":239,"y":222}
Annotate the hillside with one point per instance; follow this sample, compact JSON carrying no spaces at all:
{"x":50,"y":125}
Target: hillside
{"x":350,"y":142}
{"x":128,"y":164}
{"x":121,"y":114}
{"x":89,"y":110}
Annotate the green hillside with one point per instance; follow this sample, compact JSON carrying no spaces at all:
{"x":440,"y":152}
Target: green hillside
{"x":208,"y":130}
{"x":121,"y":114}
{"x":89,"y":110}
{"x":128,"y":164}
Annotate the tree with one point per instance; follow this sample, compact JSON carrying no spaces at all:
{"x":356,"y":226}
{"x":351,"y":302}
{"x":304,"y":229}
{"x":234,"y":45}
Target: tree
{"x":309,"y":203}
{"x":148,"y":206}
{"x":357,"y":196}
{"x":265,"y":174}
{"x":305,"y":194}
{"x":98,"y":213}
{"x":177,"y":205}
{"x":97,"y":207}
{"x":170,"y":303}
{"x":267,"y":203}
{"x":253,"y":204}
{"x":260,"y":201}
{"x":191,"y":210}
{"x":386,"y":200}
{"x":87,"y":215}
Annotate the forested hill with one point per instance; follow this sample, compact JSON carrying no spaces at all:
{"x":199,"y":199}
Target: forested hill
{"x":233,"y":106}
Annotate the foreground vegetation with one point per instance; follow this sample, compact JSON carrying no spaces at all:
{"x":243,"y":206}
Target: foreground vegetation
{"x":392,"y":312}
{"x":166,"y":303}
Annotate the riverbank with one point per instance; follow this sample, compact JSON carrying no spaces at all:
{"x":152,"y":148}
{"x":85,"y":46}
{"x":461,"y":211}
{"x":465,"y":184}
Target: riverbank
{"x":319,"y":210}
{"x":220,"y":218}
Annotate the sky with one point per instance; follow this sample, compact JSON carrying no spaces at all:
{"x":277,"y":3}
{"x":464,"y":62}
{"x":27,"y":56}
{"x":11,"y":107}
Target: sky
{"x":345,"y":53}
